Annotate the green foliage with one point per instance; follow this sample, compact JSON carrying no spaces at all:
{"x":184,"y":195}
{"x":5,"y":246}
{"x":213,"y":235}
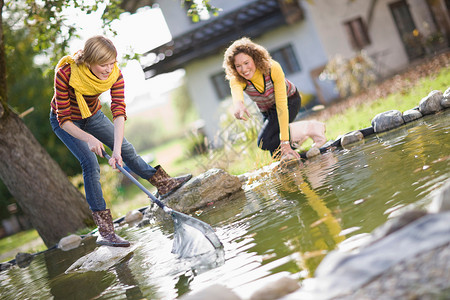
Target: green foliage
{"x":351,"y":75}
{"x":46,"y":22}
{"x":197,"y":9}
{"x":196,"y":143}
{"x":245,"y":130}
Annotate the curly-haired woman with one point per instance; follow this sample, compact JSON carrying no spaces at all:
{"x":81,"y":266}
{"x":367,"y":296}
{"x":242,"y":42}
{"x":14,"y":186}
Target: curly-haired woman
{"x":79,"y":123}
{"x":251,"y":70}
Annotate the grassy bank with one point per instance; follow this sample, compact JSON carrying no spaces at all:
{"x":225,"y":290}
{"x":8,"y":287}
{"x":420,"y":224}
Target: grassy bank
{"x":360,"y":115}
{"x":25,"y":241}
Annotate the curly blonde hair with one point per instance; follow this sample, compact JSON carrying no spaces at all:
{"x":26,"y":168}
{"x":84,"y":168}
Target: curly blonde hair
{"x":97,"y":50}
{"x":258,"y":53}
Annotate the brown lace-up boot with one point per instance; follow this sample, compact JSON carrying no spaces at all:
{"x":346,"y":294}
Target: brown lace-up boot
{"x":166,"y":184}
{"x":105,"y":225}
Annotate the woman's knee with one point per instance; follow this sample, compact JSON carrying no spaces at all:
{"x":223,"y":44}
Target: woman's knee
{"x":128,"y":151}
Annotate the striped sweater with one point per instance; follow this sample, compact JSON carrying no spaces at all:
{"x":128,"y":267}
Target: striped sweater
{"x":266,"y":99}
{"x":266,"y":91}
{"x":64,"y":102}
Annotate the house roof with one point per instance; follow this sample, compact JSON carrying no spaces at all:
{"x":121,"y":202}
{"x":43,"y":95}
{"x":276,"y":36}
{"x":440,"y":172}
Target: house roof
{"x":250,"y":20}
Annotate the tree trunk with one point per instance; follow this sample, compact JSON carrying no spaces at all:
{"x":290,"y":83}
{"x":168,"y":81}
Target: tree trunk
{"x":52,"y":204}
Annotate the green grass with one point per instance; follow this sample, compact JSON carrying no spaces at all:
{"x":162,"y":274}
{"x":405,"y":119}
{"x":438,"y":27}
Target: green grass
{"x":360,"y":116}
{"x":11,"y":245}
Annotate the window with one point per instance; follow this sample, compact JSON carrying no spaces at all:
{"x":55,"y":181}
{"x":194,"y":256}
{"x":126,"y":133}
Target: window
{"x":221,"y":85}
{"x":357,"y":33}
{"x":287,"y":59}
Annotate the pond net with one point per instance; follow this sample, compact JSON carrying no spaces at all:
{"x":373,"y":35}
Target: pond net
{"x":192,"y":237}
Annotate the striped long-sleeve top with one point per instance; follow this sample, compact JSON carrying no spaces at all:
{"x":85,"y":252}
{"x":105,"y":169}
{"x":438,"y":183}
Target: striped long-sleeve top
{"x":64,"y":103}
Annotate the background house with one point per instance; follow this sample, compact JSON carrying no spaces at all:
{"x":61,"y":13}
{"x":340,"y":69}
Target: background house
{"x":302,"y":35}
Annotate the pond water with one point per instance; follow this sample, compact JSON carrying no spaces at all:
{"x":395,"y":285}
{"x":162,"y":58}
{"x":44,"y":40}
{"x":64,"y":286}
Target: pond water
{"x":283,"y":223}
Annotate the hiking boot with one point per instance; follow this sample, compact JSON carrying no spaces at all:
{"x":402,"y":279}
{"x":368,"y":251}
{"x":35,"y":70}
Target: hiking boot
{"x":106,"y":232}
{"x":166,"y":184}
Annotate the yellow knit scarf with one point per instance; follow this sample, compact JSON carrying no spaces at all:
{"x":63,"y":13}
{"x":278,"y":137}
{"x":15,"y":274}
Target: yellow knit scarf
{"x":86,"y":83}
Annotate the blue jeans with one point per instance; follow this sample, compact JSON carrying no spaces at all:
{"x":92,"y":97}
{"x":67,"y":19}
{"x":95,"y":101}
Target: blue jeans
{"x":103,"y":129}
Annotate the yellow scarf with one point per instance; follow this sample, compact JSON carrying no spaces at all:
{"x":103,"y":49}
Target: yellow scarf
{"x":86,"y":83}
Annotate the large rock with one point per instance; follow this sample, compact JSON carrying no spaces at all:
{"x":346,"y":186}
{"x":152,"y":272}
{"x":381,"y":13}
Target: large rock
{"x":209,"y":187}
{"x":387,"y":120}
{"x":101,"y":259}
{"x":445,"y":102}
{"x":314,"y":151}
{"x":411,"y":115}
{"x":133,"y":217}
{"x":431,"y":103}
{"x":69,"y":242}
{"x":351,"y":137}
{"x":23,"y":260}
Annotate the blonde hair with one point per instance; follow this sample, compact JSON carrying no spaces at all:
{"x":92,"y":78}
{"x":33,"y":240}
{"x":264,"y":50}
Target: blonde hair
{"x":258,"y":53}
{"x":97,"y":50}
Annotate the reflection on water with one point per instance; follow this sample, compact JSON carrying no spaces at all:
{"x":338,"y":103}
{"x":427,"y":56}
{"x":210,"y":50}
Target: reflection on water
{"x":283,"y":222}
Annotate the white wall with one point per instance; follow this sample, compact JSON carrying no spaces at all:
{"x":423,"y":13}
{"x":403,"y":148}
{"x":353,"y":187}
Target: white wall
{"x":202,"y":91}
{"x":329,"y":17}
{"x":179,"y":23}
{"x":175,"y":16}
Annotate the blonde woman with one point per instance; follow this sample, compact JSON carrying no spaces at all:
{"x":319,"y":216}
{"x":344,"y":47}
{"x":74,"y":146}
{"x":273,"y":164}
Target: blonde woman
{"x":79,"y":123}
{"x":251,"y":70}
